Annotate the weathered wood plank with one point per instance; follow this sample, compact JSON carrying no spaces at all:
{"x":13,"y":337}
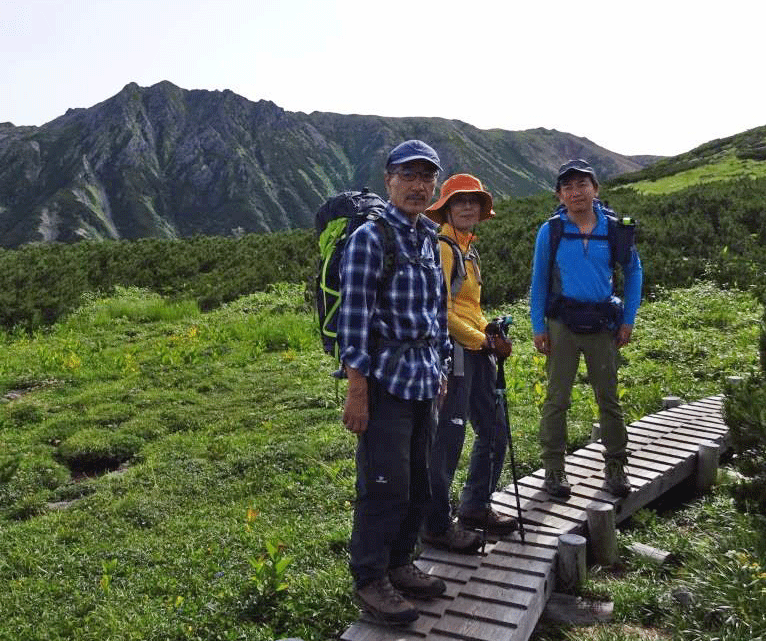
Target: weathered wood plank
{"x":472,"y":629}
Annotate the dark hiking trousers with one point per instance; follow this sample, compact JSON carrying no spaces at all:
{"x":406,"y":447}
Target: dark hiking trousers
{"x":391,"y":484}
{"x":470,"y":396}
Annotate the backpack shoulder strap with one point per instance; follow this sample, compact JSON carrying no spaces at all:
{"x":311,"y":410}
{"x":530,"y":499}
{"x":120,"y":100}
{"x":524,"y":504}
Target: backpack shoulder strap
{"x":459,"y":272}
{"x":555,"y":233}
{"x":389,"y":247}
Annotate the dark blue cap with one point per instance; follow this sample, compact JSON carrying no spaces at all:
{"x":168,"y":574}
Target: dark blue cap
{"x":413,"y":150}
{"x":578,"y":166}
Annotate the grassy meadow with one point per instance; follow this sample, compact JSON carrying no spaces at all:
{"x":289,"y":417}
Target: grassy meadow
{"x":172,"y":474}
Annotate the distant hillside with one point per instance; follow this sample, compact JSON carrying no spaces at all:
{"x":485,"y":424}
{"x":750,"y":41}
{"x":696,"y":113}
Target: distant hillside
{"x":729,"y":158}
{"x":166,"y":162}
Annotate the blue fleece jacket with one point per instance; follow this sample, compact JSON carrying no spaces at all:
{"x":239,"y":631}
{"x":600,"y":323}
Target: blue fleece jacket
{"x":584,"y":269}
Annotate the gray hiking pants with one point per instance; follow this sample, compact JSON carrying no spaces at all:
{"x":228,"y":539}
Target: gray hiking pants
{"x":600,"y":352}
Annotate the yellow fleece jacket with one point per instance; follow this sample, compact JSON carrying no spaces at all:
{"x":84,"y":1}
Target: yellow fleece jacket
{"x":465,"y":319}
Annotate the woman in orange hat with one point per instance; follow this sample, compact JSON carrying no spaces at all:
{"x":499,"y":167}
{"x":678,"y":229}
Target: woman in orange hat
{"x":471,"y":386}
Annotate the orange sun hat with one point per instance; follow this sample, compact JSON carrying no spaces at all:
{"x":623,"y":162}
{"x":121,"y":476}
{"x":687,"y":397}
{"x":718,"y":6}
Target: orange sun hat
{"x":460,"y":184}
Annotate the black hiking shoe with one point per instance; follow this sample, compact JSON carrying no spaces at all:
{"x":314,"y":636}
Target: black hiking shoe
{"x":494,"y":522}
{"x":410,"y":580}
{"x":384,"y":604}
{"x":556,"y":484}
{"x":615,"y":478}
{"x":453,"y":539}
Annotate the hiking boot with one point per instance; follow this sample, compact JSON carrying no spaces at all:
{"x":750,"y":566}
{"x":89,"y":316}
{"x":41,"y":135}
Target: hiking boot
{"x":556,"y":484}
{"x":615,"y":478}
{"x":494,"y":522}
{"x":410,"y":580}
{"x":454,"y":539}
{"x":383,"y":603}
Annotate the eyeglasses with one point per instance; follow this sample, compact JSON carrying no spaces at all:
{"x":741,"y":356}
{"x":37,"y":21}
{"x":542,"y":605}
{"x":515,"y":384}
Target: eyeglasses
{"x":465,"y":199}
{"x":409,"y":175}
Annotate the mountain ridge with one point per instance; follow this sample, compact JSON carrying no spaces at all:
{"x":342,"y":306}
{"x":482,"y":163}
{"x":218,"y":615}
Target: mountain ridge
{"x":162,"y":161}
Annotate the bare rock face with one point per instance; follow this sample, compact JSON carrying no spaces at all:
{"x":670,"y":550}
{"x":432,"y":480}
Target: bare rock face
{"x":163,"y":161}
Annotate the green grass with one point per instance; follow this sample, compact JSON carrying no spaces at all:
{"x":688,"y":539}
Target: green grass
{"x":164,"y":473}
{"x":725,"y":166}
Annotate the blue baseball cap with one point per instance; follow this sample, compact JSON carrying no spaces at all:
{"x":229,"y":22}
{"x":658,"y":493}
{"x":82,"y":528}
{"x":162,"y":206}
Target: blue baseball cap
{"x":413,"y":150}
{"x":578,"y":166}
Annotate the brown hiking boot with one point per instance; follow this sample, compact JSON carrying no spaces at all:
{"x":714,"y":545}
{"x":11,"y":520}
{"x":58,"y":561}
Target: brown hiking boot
{"x":383,"y":603}
{"x":556,"y":484}
{"x":616,"y":480}
{"x":454,"y":539}
{"x":496,"y":523}
{"x":410,"y":580}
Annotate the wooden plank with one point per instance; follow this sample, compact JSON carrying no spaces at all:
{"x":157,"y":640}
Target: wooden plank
{"x":446,"y":571}
{"x":498,"y":568}
{"x":678,"y":437}
{"x":562,"y":511}
{"x":673,"y":445}
{"x":509,"y":614}
{"x":706,"y":435}
{"x":580,"y":502}
{"x":472,"y":629}
{"x":501,"y":593}
{"x":575,"y":471}
{"x":366,"y":631}
{"x":435,"y":555}
{"x":648,"y":463}
{"x":547,"y":520}
{"x":660,"y":453}
{"x":522,"y":551}
{"x":649,"y":427}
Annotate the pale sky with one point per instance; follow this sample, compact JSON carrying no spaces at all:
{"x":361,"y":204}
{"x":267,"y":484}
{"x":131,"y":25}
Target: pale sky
{"x":639,"y":77}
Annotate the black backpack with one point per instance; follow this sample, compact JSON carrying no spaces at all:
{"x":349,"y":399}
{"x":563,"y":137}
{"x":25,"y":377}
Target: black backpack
{"x":621,"y":234}
{"x":335,"y":221}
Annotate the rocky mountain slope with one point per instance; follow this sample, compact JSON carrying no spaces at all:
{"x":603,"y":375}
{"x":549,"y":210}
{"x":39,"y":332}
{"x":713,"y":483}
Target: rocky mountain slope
{"x":165,"y":162}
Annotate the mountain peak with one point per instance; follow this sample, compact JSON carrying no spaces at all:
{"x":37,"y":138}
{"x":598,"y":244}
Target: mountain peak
{"x":166,"y":161}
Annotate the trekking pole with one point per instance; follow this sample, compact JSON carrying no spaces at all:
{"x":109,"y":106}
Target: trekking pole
{"x":489,"y":485}
{"x":502,"y":403}
{"x":501,"y":394}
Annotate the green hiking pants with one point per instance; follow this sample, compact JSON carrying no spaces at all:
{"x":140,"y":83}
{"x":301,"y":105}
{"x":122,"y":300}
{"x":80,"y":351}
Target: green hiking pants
{"x":600,"y":351}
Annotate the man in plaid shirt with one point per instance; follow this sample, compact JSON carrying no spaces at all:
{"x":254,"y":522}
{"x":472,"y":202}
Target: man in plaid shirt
{"x":393,"y":345}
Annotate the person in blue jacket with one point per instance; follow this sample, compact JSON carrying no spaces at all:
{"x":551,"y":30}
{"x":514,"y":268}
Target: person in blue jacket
{"x":574,"y":311}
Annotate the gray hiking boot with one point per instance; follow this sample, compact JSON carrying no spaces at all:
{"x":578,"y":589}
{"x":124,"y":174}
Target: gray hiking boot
{"x":615,"y":478}
{"x":454,"y":539}
{"x":556,"y":484}
{"x":383,"y":603}
{"x":410,"y":580}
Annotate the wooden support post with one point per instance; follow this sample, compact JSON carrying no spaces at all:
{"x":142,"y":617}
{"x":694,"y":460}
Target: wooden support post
{"x":602,"y":533}
{"x":595,"y":432}
{"x":670,"y":401}
{"x":707,"y":466}
{"x":734,"y":380}
{"x":571,"y":563}
{"x":656,"y":556}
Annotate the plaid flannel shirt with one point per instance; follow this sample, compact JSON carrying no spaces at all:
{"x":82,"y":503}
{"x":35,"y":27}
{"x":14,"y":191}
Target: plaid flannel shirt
{"x":411,"y":307}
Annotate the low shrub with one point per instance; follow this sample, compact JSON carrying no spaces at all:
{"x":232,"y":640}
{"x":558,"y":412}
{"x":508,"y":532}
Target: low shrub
{"x":745,"y":414}
{"x":92,"y":450}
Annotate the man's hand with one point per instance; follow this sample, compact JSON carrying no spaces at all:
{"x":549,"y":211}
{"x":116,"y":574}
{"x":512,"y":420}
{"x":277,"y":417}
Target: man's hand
{"x":356,"y":411}
{"x":623,"y":335}
{"x":543,"y":343}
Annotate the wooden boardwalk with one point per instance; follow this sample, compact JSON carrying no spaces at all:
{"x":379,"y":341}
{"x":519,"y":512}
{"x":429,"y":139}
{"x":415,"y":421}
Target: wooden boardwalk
{"x":500,"y":596}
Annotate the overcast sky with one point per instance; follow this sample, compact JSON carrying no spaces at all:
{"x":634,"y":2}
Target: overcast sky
{"x":648,"y":77}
